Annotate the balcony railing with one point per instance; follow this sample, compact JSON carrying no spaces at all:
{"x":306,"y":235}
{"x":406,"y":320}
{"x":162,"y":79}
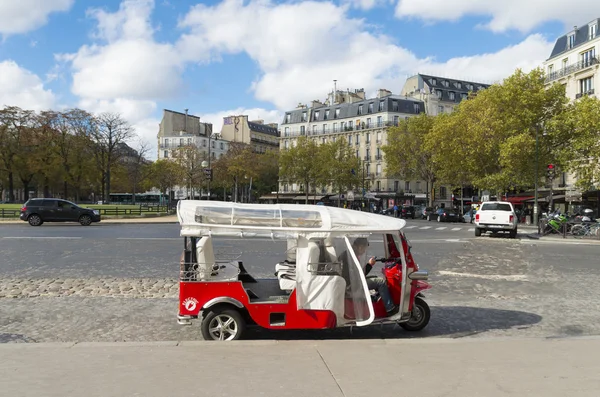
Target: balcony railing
{"x":572,"y":68}
{"x":588,"y":92}
{"x":340,"y":129}
{"x":379,"y":157}
{"x":367,"y":158}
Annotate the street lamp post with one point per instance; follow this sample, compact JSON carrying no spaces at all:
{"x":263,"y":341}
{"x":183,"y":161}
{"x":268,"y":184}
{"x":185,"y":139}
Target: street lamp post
{"x":535,"y":200}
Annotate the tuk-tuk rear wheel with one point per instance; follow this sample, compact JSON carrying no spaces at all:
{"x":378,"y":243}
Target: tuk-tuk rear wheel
{"x":420,"y":316}
{"x":222,"y":324}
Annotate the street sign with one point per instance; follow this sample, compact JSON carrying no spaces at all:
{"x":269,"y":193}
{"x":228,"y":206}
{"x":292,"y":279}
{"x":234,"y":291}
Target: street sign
{"x":208,"y":173}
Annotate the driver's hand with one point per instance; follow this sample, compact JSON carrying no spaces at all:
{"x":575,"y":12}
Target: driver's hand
{"x":372,"y":261}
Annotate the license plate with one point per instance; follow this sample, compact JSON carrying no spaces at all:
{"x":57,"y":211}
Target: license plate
{"x":495,"y":226}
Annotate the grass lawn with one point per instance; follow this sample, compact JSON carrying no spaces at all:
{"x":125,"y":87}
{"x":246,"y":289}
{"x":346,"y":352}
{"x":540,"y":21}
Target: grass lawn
{"x":111,"y":209}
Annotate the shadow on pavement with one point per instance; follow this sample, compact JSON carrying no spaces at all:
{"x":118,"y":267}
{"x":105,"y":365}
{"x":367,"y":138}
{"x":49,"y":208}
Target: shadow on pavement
{"x":446,"y":321}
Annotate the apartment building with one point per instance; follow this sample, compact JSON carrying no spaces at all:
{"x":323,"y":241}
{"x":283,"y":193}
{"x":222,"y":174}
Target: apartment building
{"x":261,"y":136}
{"x":178,"y":129}
{"x":362,"y":123}
{"x":440,"y":94}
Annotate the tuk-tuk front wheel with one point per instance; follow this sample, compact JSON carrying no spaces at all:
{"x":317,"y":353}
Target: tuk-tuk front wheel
{"x":420,"y":316}
{"x":222,"y":323}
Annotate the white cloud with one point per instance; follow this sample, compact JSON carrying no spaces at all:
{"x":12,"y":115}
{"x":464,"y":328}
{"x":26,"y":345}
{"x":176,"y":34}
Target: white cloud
{"x":299,"y":61}
{"x":22,"y":16}
{"x":20,"y":87}
{"x":522,"y":15}
{"x":364,"y":5}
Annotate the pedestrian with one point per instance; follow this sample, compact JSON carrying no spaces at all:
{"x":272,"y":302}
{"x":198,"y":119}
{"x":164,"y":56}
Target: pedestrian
{"x":395,"y":210}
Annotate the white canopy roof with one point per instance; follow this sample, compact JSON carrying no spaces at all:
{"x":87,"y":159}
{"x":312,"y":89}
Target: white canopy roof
{"x":199,"y":218}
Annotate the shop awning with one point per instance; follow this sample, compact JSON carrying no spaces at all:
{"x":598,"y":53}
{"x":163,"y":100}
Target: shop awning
{"x":519,"y":199}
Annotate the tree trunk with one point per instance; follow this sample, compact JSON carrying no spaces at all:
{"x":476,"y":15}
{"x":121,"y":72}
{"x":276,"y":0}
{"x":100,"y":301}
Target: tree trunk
{"x":46,"y":187}
{"x":65,"y":190}
{"x":108,"y":182}
{"x":306,"y":192}
{"x":11,"y":187}
{"x":25,"y":191}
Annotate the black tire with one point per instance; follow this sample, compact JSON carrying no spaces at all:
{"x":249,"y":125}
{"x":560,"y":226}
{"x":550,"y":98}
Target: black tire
{"x":477,"y":232}
{"x":35,"y":220}
{"x":513,"y":233}
{"x":217,"y":318}
{"x":85,"y":220}
{"x":419,"y":318}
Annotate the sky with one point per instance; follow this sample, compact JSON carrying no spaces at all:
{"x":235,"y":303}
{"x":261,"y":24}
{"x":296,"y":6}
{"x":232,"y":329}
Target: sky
{"x":258,"y":57}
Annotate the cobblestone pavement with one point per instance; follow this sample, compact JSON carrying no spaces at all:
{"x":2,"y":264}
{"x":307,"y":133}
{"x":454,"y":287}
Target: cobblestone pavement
{"x":484,"y":287}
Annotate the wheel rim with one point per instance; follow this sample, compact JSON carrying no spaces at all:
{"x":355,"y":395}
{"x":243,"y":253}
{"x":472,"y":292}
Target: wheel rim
{"x":416,"y":317}
{"x":86,"y":220}
{"x":35,"y":220}
{"x":223,"y":327}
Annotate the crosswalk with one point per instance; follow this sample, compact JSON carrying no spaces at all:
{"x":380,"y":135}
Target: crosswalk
{"x":448,"y":228}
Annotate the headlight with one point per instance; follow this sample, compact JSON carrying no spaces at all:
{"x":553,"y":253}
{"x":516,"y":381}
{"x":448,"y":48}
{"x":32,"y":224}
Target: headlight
{"x":96,"y":212}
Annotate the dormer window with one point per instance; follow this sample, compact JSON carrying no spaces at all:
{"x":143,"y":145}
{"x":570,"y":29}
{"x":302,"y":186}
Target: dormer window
{"x":317,"y":115}
{"x":337,"y":113}
{"x":451,"y":95}
{"x":326,"y":114}
{"x":439,"y":94}
{"x":360,"y":109}
{"x":458,"y":85}
{"x":371,"y":107}
{"x":433,"y":82}
{"x":593,"y":31}
{"x":445,"y":83}
{"x":572,"y":40}
{"x":303,"y":116}
{"x":288,"y":118}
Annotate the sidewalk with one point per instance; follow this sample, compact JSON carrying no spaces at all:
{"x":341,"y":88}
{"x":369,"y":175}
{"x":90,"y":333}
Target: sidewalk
{"x":351,"y":368}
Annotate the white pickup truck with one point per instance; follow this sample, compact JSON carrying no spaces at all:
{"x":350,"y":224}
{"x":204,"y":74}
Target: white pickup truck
{"x":496,"y":216}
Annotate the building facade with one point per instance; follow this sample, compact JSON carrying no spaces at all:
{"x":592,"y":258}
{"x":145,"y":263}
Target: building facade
{"x":261,"y":136}
{"x":574,"y":64}
{"x":363,"y":124}
{"x":178,"y":130}
{"x":439,"y":94}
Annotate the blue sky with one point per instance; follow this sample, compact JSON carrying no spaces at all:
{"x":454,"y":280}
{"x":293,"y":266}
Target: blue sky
{"x":259,"y":58}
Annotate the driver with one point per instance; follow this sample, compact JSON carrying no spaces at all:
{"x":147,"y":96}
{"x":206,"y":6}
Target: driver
{"x":379,"y":284}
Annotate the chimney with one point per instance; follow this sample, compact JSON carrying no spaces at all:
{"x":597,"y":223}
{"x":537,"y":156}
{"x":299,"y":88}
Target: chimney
{"x":316,"y":104}
{"x":258,"y":121}
{"x":185,"y":121}
{"x":383,"y":93}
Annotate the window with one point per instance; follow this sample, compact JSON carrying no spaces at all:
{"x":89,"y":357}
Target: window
{"x":378,"y":154}
{"x":586,"y":85}
{"x":445,"y":83}
{"x":368,"y":122}
{"x":357,"y":153}
{"x":360,"y":109}
{"x":166,"y":141}
{"x":550,"y":68}
{"x":378,"y":172}
{"x":335,"y":127}
{"x":571,"y":40}
{"x":368,"y":154}
{"x":593,"y":30}
{"x":459,"y":85}
{"x":417,"y":108}
{"x":396,"y":186}
{"x":407,"y":186}
{"x":181,"y":141}
{"x":333,"y":139}
{"x":314,"y":129}
{"x":440,"y":109}
{"x":325,"y":128}
{"x":204,"y":143}
{"x":324,"y":140}
{"x":439,"y":94}
{"x":189,"y":141}
{"x":395,"y":106}
{"x":396,"y":121}
{"x":452,"y":96}
{"x":368,"y":140}
{"x":288,"y":118}
{"x":379,"y":121}
{"x":418,"y":187}
{"x":443,"y":194}
{"x":349,"y":139}
{"x":343,"y":126}
{"x":302,"y":130}
{"x":286,"y":144}
{"x":222,"y":146}
{"x":565,"y":63}
{"x":285,"y":187}
{"x":286,"y":131}
{"x":357,"y":139}
{"x":337,"y":112}
{"x":316,"y":115}
{"x":166,"y":154}
{"x":433,"y":82}
{"x":463,"y":95}
{"x":588,"y":57}
{"x":381,"y":105}
{"x":326,"y":115}
{"x":371,"y":107}
{"x":378,"y":136}
{"x":303,"y":116}
{"x":212,"y":144}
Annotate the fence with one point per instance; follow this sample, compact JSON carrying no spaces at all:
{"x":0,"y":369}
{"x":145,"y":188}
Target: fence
{"x":570,"y":229}
{"x":112,"y":211}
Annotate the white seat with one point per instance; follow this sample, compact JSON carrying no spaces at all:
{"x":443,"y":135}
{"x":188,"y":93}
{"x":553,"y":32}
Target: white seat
{"x":286,"y":271}
{"x":205,"y":257}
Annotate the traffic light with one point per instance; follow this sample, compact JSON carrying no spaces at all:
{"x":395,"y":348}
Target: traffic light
{"x":550,"y":171}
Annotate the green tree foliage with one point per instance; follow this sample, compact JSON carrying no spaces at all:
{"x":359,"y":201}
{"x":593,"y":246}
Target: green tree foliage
{"x":301,"y":164}
{"x":577,"y":132}
{"x":406,"y":155}
{"x":340,"y":167}
{"x":164,"y":174}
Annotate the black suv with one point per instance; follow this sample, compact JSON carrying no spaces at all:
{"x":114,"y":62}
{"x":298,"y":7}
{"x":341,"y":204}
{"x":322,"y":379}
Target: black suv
{"x":38,"y":211}
{"x":407,"y":211}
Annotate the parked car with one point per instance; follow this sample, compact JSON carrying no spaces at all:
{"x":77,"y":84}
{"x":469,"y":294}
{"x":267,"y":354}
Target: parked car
{"x":407,"y":211}
{"x":37,"y":211}
{"x":445,"y":215}
{"x":426,"y":212}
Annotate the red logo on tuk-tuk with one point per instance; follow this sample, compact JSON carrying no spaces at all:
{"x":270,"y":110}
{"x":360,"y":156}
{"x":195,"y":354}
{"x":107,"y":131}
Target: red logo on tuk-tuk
{"x":190,"y":304}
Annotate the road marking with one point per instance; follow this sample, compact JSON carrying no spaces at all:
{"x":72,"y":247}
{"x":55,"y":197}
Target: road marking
{"x":456,"y":228}
{"x":425,"y":227}
{"x":471,"y":230}
{"x":513,"y":277}
{"x":440,"y":228}
{"x":410,"y":227}
{"x":42,"y":237}
{"x":152,"y":238}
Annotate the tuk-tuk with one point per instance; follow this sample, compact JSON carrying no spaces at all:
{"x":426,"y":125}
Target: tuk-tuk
{"x":319,"y":283}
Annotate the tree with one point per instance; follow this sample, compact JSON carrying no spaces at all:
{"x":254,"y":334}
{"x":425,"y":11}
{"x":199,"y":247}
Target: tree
{"x":239,"y":164}
{"x":189,"y":158}
{"x":406,"y":155}
{"x":267,"y":178}
{"x":301,"y":165}
{"x":136,"y":166}
{"x":109,"y":131}
{"x":578,"y":130}
{"x":340,"y":167}
{"x":163,"y":174}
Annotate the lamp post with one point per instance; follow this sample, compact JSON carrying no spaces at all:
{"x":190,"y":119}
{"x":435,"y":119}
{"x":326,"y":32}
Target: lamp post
{"x":208,"y":173}
{"x":535,"y":200}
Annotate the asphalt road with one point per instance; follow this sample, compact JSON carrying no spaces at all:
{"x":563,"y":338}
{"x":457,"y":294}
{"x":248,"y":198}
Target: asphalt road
{"x":492,"y":286}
